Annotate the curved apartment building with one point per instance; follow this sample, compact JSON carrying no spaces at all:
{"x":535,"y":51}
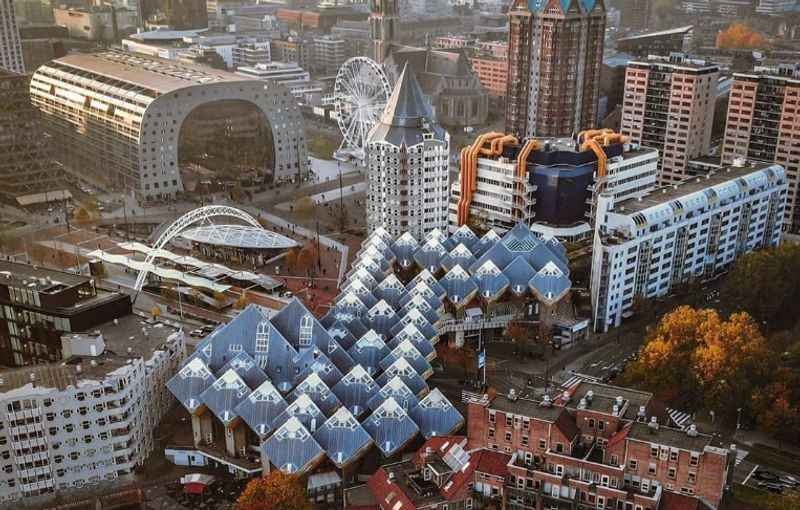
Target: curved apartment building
{"x":116,"y":118}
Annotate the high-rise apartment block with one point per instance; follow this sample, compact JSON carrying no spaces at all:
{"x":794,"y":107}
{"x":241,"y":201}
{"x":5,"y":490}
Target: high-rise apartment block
{"x":10,"y":42}
{"x":25,"y":164}
{"x":763,"y":125}
{"x":408,"y":165}
{"x":555,"y":52}
{"x":669,"y":105}
{"x":90,"y":419}
{"x":698,"y":228}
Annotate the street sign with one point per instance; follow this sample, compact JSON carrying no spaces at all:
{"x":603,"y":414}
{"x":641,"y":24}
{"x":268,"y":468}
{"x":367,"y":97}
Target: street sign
{"x":482,"y":359}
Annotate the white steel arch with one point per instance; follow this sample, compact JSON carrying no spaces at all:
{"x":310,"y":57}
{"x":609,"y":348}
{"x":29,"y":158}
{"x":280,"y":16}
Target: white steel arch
{"x":187,"y":220}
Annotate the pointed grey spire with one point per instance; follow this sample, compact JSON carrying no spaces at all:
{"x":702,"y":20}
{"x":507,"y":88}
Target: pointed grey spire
{"x":408,"y":106}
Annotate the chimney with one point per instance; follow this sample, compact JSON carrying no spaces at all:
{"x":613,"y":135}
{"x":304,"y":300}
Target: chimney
{"x":546,"y":401}
{"x":512,"y":395}
{"x":642,"y":412}
{"x":582,"y":404}
{"x":692,"y":430}
{"x":653,"y":425}
{"x":589,"y":395}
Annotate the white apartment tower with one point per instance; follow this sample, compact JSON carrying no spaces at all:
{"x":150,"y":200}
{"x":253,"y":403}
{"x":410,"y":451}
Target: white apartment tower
{"x":10,"y":42}
{"x":407,"y":158}
{"x":680,"y":233}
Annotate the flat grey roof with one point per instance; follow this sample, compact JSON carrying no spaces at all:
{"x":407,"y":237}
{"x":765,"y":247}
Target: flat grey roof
{"x":669,"y":436}
{"x":526,"y":407}
{"x":22,"y":275}
{"x":143,"y":336}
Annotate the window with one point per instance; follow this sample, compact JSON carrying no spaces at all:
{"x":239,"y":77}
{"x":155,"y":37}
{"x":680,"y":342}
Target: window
{"x":601,"y":425}
{"x":614,"y":460}
{"x":306,"y":331}
{"x":633,"y":464}
{"x":673,"y":456}
{"x":559,"y":447}
{"x":591,"y":423}
{"x":509,"y":420}
{"x":491,"y":432}
{"x":652,"y":468}
{"x":654,"y":451}
{"x":491,"y":416}
{"x":508,"y":437}
{"x":695,"y":459}
{"x":692,"y":476}
{"x":671,"y":472}
{"x":469,"y":504}
{"x":524,"y":440}
{"x":542,"y":444}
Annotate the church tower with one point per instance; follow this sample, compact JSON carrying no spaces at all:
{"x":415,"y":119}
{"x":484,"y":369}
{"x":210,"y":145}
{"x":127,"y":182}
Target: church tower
{"x":384,"y":22}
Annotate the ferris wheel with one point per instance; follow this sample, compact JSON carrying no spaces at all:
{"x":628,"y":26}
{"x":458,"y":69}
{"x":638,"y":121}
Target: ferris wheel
{"x":361,"y":92}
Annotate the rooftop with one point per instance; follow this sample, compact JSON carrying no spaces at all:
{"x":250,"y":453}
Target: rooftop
{"x":672,"y":31}
{"x":527,"y":407}
{"x":47,"y":281}
{"x":127,"y":338}
{"x":669,"y":436}
{"x":604,"y":397}
{"x":667,"y":194}
{"x":157,"y":75}
{"x":677,"y":61}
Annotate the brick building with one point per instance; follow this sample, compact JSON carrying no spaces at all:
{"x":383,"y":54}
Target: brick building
{"x":596,"y":446}
{"x":442,"y":475}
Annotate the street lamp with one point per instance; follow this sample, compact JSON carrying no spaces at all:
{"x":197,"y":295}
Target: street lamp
{"x":738,"y":418}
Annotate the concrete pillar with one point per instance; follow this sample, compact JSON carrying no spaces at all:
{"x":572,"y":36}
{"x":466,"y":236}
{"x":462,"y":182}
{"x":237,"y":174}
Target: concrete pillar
{"x":206,"y":429}
{"x":197,"y":433}
{"x":230,"y":442}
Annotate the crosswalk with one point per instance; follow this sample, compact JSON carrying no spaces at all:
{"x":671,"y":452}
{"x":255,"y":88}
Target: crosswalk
{"x":575,"y":380}
{"x":679,"y":418}
{"x":740,"y":455}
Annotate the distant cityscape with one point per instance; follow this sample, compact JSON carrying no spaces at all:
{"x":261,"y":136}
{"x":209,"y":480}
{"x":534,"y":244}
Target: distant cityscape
{"x":400,"y":254}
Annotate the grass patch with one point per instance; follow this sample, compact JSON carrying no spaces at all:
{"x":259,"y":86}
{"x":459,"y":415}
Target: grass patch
{"x":322,"y":146}
{"x":750,"y":498}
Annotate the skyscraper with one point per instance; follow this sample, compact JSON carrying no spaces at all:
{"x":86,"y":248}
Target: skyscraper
{"x":762,"y":125}
{"x":668,"y":105}
{"x":10,"y":42}
{"x":555,"y":51}
{"x":407,"y":158}
{"x":384,"y":19}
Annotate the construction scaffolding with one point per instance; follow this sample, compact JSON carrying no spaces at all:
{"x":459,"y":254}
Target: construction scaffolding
{"x":25,"y":163}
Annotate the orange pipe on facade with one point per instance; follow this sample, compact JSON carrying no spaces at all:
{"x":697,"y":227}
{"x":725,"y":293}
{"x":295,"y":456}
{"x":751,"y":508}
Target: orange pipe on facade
{"x":592,"y":133}
{"x":497,"y":144}
{"x":522,"y":160}
{"x":469,"y":173}
{"x":614,"y":138}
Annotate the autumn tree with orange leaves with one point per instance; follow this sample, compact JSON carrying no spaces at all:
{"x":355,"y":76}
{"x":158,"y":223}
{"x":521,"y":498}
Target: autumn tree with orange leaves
{"x":739,"y":36}
{"x":276,"y":491}
{"x":703,"y":359}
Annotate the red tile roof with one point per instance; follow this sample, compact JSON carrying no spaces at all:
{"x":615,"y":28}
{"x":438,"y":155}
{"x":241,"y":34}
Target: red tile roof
{"x":619,"y":436}
{"x":675,"y":501}
{"x":565,"y":423}
{"x":382,"y":487}
{"x":491,"y":462}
